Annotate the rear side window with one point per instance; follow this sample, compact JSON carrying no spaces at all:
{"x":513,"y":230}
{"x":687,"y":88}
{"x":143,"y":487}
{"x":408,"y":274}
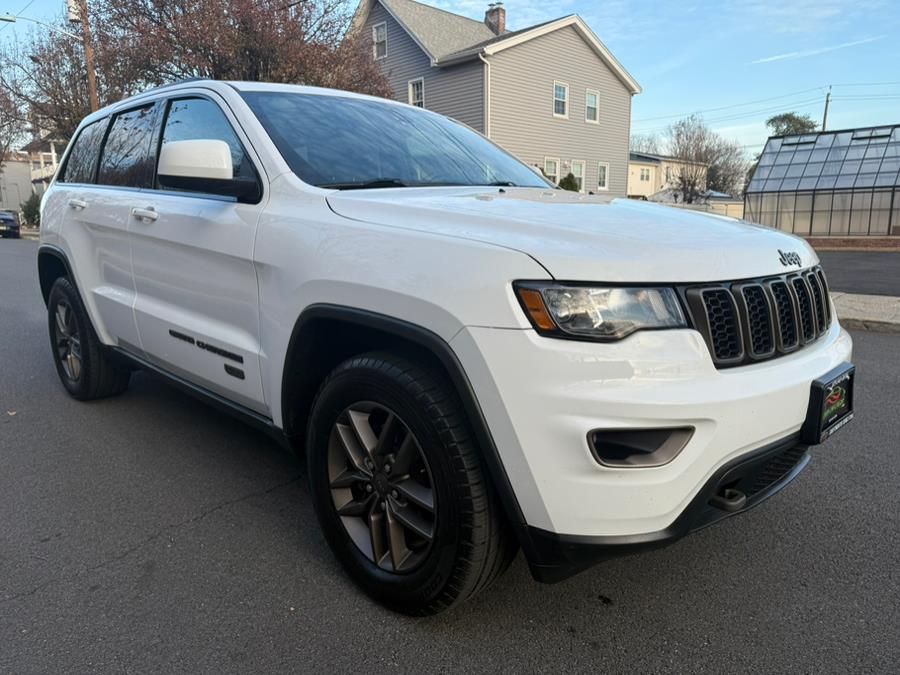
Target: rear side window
{"x":126,"y":158}
{"x":83,"y":157}
{"x":192,"y":119}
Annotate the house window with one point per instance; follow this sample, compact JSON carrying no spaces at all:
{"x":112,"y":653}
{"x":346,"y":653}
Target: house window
{"x":560,"y":99}
{"x":379,"y":40}
{"x":551,"y":170}
{"x":603,"y":176}
{"x":578,"y":172}
{"x":592,"y":107}
{"x":417,"y":93}
{"x":645,"y":175}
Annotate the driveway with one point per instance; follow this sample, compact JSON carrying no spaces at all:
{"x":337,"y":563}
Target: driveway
{"x":866,"y":272}
{"x":152,"y":533}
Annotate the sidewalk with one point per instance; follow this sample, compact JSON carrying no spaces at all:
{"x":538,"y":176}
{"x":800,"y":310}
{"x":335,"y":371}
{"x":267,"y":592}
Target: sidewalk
{"x":880,"y":313}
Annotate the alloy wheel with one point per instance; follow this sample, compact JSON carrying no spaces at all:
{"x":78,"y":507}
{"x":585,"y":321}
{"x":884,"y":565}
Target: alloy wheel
{"x":381,"y":487}
{"x":68,"y":342}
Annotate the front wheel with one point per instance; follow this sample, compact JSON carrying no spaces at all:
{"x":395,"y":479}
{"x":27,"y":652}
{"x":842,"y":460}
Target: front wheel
{"x":399,"y":488}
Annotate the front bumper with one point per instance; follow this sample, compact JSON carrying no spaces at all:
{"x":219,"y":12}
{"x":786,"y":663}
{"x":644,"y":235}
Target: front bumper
{"x":542,"y":396}
{"x":758,"y":476}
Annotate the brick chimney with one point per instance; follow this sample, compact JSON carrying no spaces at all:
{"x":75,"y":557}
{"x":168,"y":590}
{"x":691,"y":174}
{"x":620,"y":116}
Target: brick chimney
{"x":495,"y":18}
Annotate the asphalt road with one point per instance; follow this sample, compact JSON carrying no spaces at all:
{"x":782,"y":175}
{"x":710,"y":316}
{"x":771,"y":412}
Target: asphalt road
{"x":152,"y":533}
{"x":866,"y":272}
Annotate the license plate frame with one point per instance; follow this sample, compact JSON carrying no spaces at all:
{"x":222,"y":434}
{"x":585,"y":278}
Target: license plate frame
{"x":831,"y":404}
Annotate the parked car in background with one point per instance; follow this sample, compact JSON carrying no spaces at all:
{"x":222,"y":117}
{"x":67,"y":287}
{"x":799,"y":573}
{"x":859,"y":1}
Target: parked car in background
{"x":471,"y":359}
{"x":9,"y":224}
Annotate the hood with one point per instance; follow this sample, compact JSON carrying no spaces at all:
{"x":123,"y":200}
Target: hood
{"x":585,"y":238}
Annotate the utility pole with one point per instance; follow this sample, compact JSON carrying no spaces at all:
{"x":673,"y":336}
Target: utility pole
{"x":78,"y":13}
{"x":827,"y":101}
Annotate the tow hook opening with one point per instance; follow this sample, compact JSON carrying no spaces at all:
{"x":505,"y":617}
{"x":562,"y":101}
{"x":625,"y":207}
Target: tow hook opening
{"x":729,"y":499}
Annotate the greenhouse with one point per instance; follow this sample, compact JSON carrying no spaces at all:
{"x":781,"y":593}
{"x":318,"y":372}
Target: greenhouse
{"x":835,"y":183}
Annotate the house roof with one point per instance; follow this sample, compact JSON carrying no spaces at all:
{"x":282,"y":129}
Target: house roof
{"x":449,"y":38}
{"x":437,"y":31}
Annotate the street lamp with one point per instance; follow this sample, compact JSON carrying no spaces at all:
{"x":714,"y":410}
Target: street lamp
{"x":9,"y":18}
{"x":84,"y":39}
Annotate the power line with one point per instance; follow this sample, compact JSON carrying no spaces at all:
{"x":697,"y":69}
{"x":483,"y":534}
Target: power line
{"x":864,"y":97}
{"x":799,"y":105}
{"x":728,"y":107}
{"x":861,"y":97}
{"x":27,"y":5}
{"x":866,"y":84}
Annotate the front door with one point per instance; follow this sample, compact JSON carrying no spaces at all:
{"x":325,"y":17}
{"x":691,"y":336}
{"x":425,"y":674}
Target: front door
{"x":196,"y":307}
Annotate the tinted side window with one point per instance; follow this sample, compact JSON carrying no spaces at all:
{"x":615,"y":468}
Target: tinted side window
{"x":83,"y":158}
{"x":126,"y":154}
{"x":191,"y":119}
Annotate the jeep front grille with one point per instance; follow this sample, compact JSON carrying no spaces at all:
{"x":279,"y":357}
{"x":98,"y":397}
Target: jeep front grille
{"x":749,"y":321}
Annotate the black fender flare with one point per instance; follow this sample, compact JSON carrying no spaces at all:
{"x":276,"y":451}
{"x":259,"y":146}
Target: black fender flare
{"x":45,"y":250}
{"x":444,"y":354}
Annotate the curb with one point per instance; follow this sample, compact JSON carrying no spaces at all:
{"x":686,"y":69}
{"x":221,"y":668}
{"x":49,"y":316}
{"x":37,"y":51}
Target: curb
{"x":876,"y":313}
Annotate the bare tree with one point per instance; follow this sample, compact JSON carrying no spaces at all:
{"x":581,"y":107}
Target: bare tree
{"x":270,"y":40}
{"x":11,"y":126}
{"x":709,"y":161}
{"x":728,"y":168}
{"x":140,"y":43}
{"x":691,"y":141}
{"x":649,"y":143}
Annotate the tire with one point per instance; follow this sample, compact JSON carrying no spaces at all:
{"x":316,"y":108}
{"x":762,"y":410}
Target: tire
{"x":82,"y":365}
{"x":470,"y":543}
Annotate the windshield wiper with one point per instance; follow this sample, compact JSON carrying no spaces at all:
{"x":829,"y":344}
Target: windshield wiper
{"x":367,"y":184}
{"x":503,"y":183}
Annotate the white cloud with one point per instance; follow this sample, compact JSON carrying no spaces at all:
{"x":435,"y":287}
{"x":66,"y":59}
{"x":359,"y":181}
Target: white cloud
{"x":805,"y":53}
{"x":806,"y":16}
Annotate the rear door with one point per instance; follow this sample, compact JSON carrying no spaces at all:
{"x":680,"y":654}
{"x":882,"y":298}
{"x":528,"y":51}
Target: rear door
{"x":95,"y":194}
{"x":197,"y":306}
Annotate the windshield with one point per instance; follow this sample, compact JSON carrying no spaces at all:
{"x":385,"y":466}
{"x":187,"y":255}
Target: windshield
{"x":345,"y":143}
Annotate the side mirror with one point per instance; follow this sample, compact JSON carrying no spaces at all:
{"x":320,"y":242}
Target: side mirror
{"x":203,"y":166}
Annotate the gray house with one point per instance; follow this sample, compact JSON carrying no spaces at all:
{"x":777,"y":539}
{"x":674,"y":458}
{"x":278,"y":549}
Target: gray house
{"x":551,"y":94}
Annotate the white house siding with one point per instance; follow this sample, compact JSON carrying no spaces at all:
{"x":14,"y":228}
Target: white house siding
{"x":455,"y":91}
{"x":16,"y":185}
{"x":521,"y":107}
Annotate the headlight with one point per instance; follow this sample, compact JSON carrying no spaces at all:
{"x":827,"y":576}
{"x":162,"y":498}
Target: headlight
{"x":596,"y":312}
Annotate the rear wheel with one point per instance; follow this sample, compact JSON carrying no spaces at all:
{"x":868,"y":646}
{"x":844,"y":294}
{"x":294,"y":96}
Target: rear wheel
{"x":83,"y":367}
{"x":399,"y":489}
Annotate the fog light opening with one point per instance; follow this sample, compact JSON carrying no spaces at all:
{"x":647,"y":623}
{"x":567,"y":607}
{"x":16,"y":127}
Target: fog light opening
{"x":638,"y":448}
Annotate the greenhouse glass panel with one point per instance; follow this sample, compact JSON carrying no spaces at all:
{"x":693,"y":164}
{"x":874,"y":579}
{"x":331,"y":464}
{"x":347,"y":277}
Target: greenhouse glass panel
{"x":823,"y":183}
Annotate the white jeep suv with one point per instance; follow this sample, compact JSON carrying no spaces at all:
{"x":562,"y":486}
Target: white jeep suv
{"x":471,"y":360}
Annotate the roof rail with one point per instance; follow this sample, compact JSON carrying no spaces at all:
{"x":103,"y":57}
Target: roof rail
{"x":172,"y":84}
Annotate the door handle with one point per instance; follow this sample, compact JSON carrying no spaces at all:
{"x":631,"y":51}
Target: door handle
{"x":77,"y":204}
{"x":145,"y":215}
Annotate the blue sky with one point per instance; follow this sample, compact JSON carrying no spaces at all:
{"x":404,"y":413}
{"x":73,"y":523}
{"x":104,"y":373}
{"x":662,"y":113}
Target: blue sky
{"x":740,"y":61}
{"x":700,"y":56}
